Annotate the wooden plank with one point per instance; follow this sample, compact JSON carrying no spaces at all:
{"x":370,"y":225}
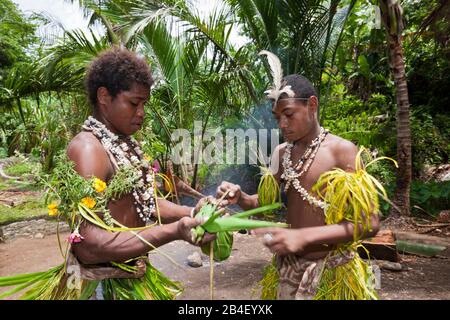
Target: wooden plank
{"x":421,"y":238}
{"x":380,"y":247}
{"x":379,"y":251}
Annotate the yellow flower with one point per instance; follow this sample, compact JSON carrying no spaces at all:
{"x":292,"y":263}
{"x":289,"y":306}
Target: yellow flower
{"x":99,"y":185}
{"x":52,"y":205}
{"x":147,"y":157}
{"x":88,"y":202}
{"x":52,"y":209}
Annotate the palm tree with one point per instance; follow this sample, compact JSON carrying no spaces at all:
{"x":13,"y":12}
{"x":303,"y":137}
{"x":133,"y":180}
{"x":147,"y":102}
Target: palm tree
{"x":392,"y":17}
{"x":200,"y":75}
{"x":97,"y":12}
{"x":32,"y":88}
{"x":303,"y":33}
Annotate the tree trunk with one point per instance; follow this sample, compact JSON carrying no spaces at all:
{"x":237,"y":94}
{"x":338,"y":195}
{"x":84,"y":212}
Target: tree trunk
{"x":404,"y":175}
{"x":392,"y":17}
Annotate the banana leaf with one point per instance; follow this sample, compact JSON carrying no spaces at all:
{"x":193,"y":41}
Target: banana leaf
{"x":224,"y":226}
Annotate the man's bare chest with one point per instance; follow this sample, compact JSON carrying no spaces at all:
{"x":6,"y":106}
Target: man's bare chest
{"x":322,"y":162}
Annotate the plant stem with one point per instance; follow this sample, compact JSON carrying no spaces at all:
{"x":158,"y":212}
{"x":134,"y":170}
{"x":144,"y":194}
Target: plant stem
{"x":211,"y":270}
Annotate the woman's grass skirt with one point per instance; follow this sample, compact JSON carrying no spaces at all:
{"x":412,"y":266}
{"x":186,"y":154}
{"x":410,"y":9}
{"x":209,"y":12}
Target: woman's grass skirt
{"x":57,"y":284}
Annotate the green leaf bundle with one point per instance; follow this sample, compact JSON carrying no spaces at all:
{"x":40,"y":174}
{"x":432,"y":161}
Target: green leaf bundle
{"x":223,"y":226}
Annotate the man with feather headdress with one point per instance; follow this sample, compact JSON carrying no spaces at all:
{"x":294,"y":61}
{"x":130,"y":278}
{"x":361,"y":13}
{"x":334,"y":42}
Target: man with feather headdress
{"x":311,"y":255}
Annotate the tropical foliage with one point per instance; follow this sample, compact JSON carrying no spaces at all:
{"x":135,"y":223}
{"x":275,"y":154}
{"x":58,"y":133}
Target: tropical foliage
{"x":204,"y":75}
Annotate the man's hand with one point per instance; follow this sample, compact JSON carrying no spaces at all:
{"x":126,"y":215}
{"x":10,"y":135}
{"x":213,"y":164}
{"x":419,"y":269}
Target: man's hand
{"x":186,"y":232}
{"x":234,"y":193}
{"x":283,"y":241}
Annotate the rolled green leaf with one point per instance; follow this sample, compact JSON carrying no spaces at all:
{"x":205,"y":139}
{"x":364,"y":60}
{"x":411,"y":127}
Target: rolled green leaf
{"x":222,"y":246}
{"x":258,"y":210}
{"x":224,"y":226}
{"x":236,"y":224}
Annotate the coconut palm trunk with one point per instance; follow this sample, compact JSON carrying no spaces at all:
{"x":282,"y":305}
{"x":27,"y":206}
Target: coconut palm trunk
{"x":391,"y":15}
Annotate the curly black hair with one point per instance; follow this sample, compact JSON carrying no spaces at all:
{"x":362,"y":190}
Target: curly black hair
{"x":116,"y":69}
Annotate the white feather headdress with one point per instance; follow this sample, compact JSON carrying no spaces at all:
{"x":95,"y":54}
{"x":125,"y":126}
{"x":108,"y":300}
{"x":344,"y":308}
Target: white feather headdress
{"x":278,"y":87}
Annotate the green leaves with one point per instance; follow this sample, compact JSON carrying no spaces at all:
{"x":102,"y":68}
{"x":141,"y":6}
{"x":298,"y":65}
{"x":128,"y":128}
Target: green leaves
{"x":364,"y":66}
{"x":351,"y":196}
{"x":48,"y":285}
{"x":224,"y":226}
{"x":350,"y":281}
{"x":222,"y":246}
{"x":16,"y":34}
{"x":430,"y":197}
{"x":269,"y":282}
{"x":152,"y":286}
{"x":268,"y":189}
{"x":235,"y":224}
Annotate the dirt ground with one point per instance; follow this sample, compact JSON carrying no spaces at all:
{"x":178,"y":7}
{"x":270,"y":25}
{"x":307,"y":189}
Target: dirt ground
{"x":237,"y":277}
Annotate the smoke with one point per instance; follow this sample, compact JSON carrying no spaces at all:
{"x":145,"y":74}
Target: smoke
{"x":251,"y":141}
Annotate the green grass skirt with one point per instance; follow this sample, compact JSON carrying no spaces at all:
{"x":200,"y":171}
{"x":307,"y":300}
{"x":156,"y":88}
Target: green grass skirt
{"x":55,"y":284}
{"x":351,"y":281}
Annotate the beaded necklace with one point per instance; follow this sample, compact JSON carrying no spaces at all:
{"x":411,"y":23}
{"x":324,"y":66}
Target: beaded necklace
{"x":291,"y":174}
{"x":122,"y":150}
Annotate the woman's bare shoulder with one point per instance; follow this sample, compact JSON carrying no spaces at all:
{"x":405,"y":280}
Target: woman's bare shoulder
{"x":89,"y":156}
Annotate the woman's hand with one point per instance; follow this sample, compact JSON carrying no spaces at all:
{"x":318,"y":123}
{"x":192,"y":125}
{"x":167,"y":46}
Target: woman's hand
{"x":205,"y":200}
{"x":186,"y":231}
